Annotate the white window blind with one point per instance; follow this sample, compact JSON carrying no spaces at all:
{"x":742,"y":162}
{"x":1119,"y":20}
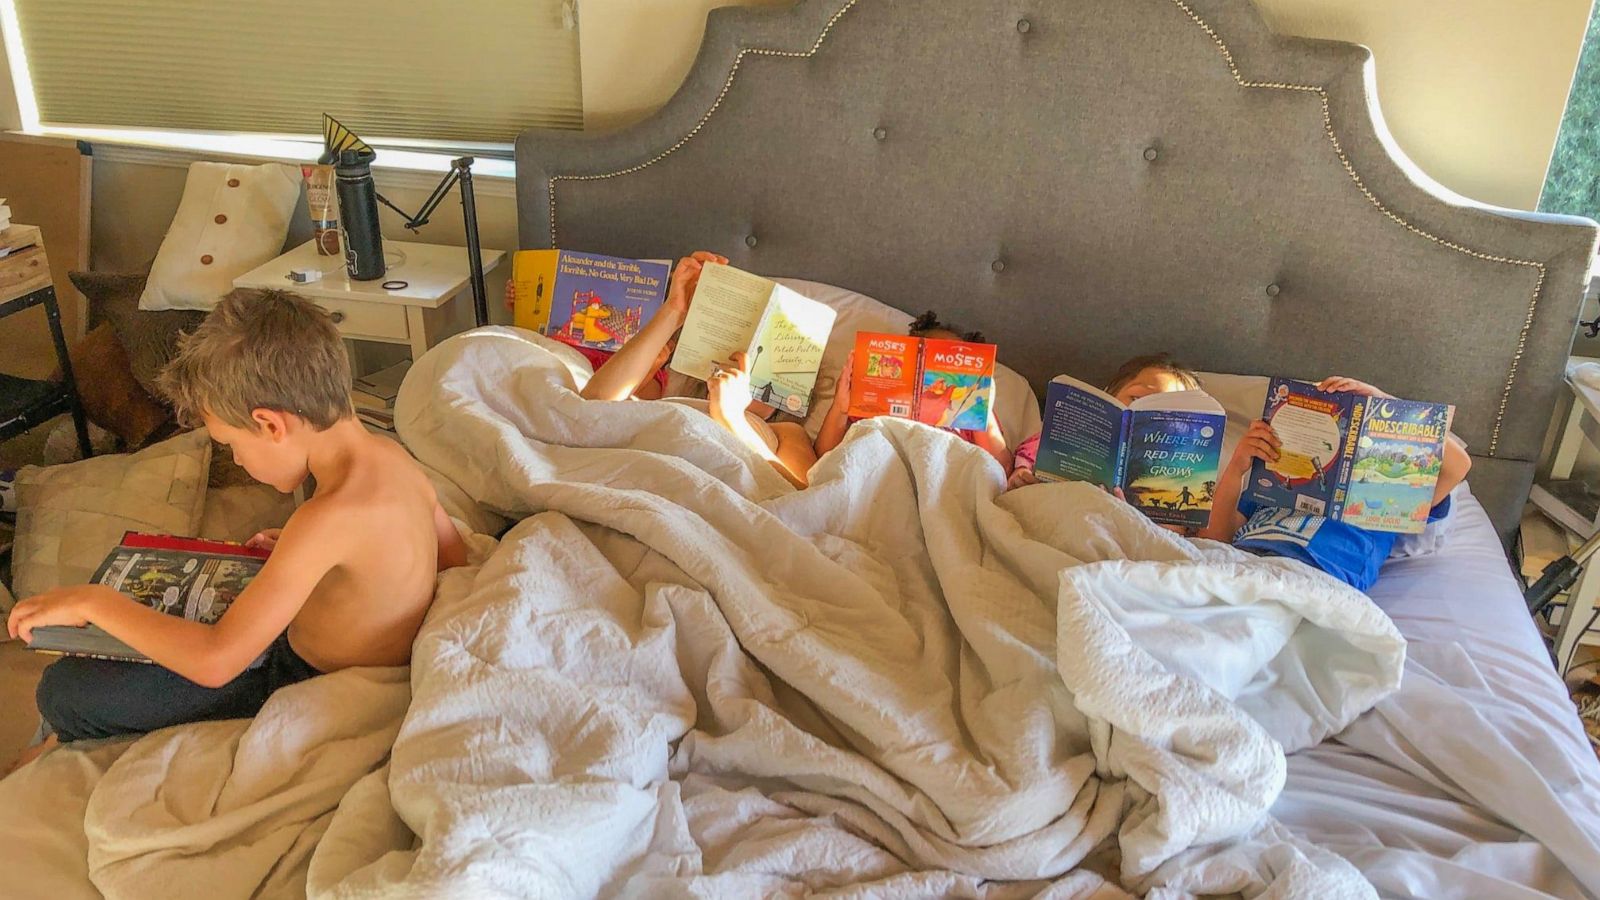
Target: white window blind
{"x":430,"y":70}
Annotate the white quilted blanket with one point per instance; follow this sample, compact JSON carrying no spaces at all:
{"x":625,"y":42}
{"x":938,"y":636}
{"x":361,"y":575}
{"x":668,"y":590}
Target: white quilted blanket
{"x":676,"y":676}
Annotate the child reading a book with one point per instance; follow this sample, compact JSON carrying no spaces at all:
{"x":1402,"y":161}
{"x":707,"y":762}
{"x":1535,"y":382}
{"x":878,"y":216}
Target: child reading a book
{"x":1141,"y":376}
{"x":349,"y":577}
{"x":1351,"y":554}
{"x":652,"y":388}
{"x":784,"y":445}
{"x":937,"y":395}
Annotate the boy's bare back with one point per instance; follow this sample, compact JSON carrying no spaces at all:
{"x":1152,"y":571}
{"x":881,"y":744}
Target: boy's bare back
{"x":373,"y":523}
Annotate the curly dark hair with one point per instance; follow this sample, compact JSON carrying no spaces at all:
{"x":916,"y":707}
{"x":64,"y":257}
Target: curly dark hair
{"x":929,"y":321}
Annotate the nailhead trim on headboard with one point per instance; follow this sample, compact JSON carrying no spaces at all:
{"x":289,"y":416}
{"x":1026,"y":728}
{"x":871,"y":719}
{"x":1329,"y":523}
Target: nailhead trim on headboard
{"x":1233,"y":68}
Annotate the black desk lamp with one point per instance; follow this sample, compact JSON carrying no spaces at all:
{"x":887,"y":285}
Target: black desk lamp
{"x":460,"y":171}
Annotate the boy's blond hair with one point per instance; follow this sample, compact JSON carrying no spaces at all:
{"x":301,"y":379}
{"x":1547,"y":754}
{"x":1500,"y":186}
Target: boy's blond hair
{"x":261,"y":349}
{"x":1161,"y":362}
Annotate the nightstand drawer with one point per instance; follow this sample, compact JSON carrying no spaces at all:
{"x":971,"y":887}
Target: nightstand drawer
{"x":368,"y":320}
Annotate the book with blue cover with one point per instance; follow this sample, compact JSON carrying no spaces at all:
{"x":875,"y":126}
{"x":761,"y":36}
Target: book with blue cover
{"x":1371,"y":462}
{"x":1162,"y":451}
{"x":586,"y":299}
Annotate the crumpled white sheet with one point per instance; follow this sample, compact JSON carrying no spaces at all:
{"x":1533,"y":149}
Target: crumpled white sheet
{"x":676,"y":676}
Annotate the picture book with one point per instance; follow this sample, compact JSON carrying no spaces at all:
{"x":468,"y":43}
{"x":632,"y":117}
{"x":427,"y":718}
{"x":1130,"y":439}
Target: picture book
{"x":1163,"y":451}
{"x":190,"y":578}
{"x":782,"y":332}
{"x":586,"y":299}
{"x":1371,"y":462}
{"x":946,"y":384}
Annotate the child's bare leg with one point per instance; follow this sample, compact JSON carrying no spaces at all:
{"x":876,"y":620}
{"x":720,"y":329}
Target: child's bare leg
{"x":31,"y":754}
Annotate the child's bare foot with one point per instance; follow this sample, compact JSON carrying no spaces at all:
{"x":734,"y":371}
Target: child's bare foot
{"x":32,"y":753}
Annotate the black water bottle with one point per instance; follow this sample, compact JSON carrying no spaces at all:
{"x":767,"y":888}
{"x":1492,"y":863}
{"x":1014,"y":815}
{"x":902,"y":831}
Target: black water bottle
{"x":358,"y":216}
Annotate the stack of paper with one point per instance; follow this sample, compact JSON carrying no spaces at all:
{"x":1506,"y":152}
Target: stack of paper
{"x":5,"y":215}
{"x":373,"y":395}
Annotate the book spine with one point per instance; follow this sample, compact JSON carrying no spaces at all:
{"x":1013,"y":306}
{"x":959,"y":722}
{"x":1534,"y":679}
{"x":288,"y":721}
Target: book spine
{"x":1124,"y":429}
{"x":1347,"y":456}
{"x":916,"y":382}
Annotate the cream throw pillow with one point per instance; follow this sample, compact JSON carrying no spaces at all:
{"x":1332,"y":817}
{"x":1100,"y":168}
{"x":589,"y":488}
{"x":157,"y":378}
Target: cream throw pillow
{"x":232,"y":219}
{"x":69,"y":517}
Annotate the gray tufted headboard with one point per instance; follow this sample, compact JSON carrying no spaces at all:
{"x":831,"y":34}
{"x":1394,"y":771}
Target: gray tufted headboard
{"x":1086,"y":181}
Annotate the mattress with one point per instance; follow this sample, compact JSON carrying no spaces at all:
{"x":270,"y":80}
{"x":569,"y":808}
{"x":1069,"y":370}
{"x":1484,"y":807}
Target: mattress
{"x":1435,"y":793}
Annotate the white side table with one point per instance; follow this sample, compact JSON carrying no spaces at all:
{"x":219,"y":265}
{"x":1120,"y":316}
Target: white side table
{"x":435,"y":303}
{"x":1581,"y":425}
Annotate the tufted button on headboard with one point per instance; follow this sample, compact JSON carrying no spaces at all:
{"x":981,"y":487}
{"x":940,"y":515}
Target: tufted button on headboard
{"x":1087,"y":181}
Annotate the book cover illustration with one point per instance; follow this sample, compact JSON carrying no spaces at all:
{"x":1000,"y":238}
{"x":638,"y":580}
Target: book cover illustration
{"x":1396,"y":465}
{"x":946,"y":384}
{"x":883,"y":377}
{"x":586,"y":299}
{"x":1311,"y":426}
{"x":788,"y":351}
{"x":1371,"y":462}
{"x":956,"y":385}
{"x":191,"y":579}
{"x":1171,"y":461}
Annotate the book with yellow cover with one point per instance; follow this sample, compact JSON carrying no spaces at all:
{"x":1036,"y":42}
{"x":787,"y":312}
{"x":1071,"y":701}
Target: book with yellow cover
{"x":586,"y":299}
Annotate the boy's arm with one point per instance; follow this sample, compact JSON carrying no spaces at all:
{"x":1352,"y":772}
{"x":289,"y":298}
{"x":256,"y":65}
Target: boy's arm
{"x":1453,"y":469}
{"x":208,"y":655}
{"x":452,"y":549}
{"x":634,"y":361}
{"x":1260,"y":442}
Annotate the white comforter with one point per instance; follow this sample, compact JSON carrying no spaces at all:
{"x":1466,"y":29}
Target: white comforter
{"x":677,"y":676}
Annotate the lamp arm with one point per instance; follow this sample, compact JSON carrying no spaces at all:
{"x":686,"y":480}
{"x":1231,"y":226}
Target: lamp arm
{"x":460,"y":173}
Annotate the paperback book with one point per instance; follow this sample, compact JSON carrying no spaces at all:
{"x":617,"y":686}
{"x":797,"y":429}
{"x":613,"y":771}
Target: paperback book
{"x":946,"y":384}
{"x":185,"y":577}
{"x":1162,"y":451}
{"x":1371,"y":462}
{"x":780,"y":331}
{"x":586,"y":299}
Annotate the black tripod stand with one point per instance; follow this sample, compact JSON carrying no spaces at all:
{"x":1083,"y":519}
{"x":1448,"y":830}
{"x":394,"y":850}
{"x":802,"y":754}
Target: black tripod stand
{"x":460,"y":172}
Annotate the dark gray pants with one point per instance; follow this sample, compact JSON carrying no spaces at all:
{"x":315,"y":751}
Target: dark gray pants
{"x":83,"y":698}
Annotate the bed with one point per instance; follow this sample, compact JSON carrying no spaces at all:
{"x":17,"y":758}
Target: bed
{"x":667,"y":673}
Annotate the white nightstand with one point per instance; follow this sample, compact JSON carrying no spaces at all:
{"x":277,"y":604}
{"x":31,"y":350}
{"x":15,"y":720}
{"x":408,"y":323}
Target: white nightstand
{"x":1571,"y":503}
{"x":435,"y":303}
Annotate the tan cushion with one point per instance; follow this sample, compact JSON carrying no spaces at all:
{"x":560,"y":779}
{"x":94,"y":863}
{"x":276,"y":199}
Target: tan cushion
{"x":232,"y":218}
{"x":69,"y":517}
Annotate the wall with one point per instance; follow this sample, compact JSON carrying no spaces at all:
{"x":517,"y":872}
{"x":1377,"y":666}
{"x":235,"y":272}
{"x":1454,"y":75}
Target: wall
{"x":1472,"y":89}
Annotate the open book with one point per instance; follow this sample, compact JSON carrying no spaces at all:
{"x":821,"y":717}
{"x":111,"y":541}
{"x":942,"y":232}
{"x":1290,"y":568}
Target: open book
{"x":1371,"y":462}
{"x":586,"y":299}
{"x":1164,"y":451}
{"x":185,"y":577}
{"x":946,"y":384}
{"x":782,"y":332}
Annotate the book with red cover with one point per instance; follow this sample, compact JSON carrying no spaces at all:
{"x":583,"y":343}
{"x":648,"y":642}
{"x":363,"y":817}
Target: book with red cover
{"x":190,"y":578}
{"x":946,"y":384}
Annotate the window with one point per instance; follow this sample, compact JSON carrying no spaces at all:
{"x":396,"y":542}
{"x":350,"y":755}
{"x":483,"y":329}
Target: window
{"x":1572,"y":184}
{"x":442,"y":73}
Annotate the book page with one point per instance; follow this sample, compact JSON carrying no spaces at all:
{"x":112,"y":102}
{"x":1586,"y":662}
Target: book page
{"x":788,"y":351}
{"x":1082,"y":434}
{"x":728,"y":305}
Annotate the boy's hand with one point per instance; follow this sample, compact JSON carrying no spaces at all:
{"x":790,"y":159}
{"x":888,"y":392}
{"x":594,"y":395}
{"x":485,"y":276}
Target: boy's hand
{"x":511,"y":296}
{"x":265,"y":540}
{"x":685,"y":277}
{"x":845,"y":379}
{"x":1335,"y":384}
{"x":62,"y":606}
{"x":1260,"y":442}
{"x":1021,"y":476}
{"x":729,"y":388}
